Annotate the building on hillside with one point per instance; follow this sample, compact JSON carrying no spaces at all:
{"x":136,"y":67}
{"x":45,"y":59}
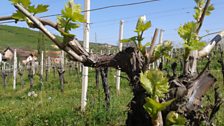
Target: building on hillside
{"x":8,"y":54}
{"x":29,"y":58}
{"x":55,"y":56}
{"x":21,"y":54}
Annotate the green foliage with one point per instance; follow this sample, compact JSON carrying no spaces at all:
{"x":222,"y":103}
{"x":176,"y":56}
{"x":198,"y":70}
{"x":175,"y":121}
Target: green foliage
{"x":175,"y":119}
{"x":155,"y":83}
{"x":162,"y":50}
{"x":153,"y":107}
{"x":199,"y":9}
{"x":25,"y":3}
{"x":209,"y":10}
{"x":141,"y":27}
{"x":19,"y":16}
{"x":189,"y":31}
{"x":70,"y":18}
{"x":40,"y":8}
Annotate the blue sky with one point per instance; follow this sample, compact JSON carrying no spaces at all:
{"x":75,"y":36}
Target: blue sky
{"x":165,"y":14}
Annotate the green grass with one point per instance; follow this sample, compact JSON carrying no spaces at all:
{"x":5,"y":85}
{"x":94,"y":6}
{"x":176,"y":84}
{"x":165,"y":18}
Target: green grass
{"x":17,"y":37}
{"x":52,"y":107}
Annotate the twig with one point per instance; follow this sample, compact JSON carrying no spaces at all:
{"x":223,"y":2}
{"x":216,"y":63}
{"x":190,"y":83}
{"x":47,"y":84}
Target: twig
{"x":203,"y":16}
{"x":151,"y":48}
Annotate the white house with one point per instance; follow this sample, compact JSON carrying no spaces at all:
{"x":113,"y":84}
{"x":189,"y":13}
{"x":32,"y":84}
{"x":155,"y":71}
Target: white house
{"x":0,"y":57}
{"x":29,"y":58}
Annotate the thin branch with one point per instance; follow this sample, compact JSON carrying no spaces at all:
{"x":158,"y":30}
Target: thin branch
{"x":151,"y":48}
{"x":43,"y":21}
{"x":203,"y":16}
{"x":5,"y":18}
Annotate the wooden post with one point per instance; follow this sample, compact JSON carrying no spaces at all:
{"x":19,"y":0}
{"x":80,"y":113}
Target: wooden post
{"x":33,"y":66}
{"x":109,"y":52}
{"x":86,"y":47}
{"x":61,"y":71}
{"x":14,"y":69}
{"x":46,"y":70}
{"x":62,"y":60}
{"x":4,"y":75}
{"x":41,"y":69}
{"x":153,"y":65}
{"x":0,"y":58}
{"x":118,"y":73}
{"x":80,"y":67}
{"x":42,"y":64}
{"x":101,"y":52}
{"x":161,"y":61}
{"x":91,"y":52}
{"x":30,"y":74}
{"x":49,"y":63}
{"x":20,"y":73}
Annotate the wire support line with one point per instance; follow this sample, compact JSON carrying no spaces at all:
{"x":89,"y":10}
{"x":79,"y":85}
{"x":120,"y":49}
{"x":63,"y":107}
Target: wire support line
{"x":96,"y":9}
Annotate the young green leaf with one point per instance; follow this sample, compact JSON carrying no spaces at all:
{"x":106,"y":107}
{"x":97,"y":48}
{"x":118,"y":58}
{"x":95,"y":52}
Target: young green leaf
{"x":25,"y":3}
{"x":147,"y":44}
{"x":72,"y":11}
{"x":189,"y":31}
{"x":155,"y":83}
{"x":41,"y":8}
{"x":143,"y":27}
{"x":19,"y":16}
{"x":153,"y":107}
{"x":132,"y":39}
{"x":176,"y":119}
{"x":162,"y":50}
{"x":70,"y":18}
{"x":141,"y":21}
{"x":209,"y":10}
{"x":146,"y":83}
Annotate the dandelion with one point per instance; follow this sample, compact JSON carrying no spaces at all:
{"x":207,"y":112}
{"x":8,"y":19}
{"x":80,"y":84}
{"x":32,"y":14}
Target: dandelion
{"x":29,"y":94}
{"x":35,"y":95}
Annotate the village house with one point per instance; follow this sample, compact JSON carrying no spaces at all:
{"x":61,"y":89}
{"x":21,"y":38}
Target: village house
{"x":7,"y":54}
{"x":23,"y":55}
{"x":29,"y":58}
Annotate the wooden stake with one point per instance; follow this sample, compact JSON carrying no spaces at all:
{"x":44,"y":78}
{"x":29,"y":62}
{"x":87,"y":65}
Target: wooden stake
{"x":86,"y":47}
{"x":118,"y":73}
{"x":14,"y":70}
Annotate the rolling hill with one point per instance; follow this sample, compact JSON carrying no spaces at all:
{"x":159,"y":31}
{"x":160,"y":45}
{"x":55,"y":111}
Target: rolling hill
{"x":17,"y":37}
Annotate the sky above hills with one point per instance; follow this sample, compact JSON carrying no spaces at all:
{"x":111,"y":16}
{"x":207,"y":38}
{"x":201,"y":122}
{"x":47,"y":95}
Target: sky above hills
{"x":164,"y":14}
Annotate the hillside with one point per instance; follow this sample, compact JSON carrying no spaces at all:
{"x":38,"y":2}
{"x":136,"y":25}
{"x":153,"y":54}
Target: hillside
{"x":17,"y":37}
